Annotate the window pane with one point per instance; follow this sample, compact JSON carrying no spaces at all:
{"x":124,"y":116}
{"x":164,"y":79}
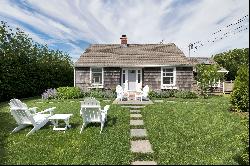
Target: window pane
{"x":168,"y":70}
{"x":123,"y":78}
{"x":168,"y":80}
{"x":168,"y":74}
{"x":139,"y":78}
{"x":96,"y":69}
{"x":97,"y":78}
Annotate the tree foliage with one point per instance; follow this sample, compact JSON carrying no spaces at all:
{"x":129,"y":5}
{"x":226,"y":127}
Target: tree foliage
{"x":28,"y":68}
{"x":232,"y":60}
{"x":207,"y":75}
{"x":240,"y":94}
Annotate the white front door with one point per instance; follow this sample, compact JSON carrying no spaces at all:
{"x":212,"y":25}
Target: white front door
{"x":131,"y":79}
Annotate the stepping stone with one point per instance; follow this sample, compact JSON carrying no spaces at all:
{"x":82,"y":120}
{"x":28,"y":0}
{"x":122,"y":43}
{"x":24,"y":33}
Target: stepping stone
{"x":158,"y":101}
{"x":133,"y":106}
{"x":138,"y":133}
{"x":171,"y":101}
{"x":51,"y":102}
{"x":39,"y":102}
{"x":141,"y":146}
{"x":135,"y":115}
{"x":72,"y":101}
{"x":144,"y":163}
{"x":136,"y":122}
{"x":135,"y":111}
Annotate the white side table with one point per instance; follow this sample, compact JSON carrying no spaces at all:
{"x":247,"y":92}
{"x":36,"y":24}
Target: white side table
{"x":54,"y":119}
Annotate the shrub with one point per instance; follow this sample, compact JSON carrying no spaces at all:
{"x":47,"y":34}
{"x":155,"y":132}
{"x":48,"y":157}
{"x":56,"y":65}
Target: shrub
{"x":49,"y":94}
{"x":172,"y":93}
{"x":240,"y":94}
{"x":185,"y":95}
{"x":68,"y":92}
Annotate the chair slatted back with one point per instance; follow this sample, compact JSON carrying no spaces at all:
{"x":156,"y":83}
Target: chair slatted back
{"x":22,"y":116}
{"x":20,"y":112}
{"x":90,"y":114}
{"x":145,"y":91}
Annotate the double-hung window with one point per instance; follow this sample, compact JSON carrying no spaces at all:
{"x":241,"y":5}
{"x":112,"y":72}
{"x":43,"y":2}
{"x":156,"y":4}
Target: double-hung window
{"x":96,"y":76}
{"x":168,"y":77}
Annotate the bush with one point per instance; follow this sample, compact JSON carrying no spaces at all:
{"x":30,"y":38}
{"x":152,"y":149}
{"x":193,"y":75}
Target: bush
{"x":240,"y":94}
{"x":185,"y":95}
{"x":172,"y":93}
{"x":49,"y":94}
{"x":69,"y":92}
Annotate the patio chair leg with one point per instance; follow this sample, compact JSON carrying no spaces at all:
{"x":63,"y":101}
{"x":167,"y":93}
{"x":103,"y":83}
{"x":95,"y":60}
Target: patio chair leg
{"x":19,"y":128}
{"x":33,"y":130}
{"x":102,"y":124}
{"x":83,"y":125}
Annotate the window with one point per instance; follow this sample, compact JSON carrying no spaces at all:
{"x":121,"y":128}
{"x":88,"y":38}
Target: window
{"x":96,"y":75}
{"x":139,"y":76}
{"x":168,"y":76}
{"x":123,"y":76}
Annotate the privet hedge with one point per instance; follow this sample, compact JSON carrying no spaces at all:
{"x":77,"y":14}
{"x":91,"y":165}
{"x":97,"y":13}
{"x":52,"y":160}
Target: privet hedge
{"x":28,"y":68}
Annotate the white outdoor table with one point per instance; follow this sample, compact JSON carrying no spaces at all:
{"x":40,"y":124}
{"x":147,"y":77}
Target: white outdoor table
{"x":65,"y":117}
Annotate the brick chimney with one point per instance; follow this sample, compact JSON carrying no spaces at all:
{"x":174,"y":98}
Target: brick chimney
{"x":124,"y":40}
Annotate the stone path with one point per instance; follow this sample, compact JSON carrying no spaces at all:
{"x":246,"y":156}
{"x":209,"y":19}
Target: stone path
{"x":140,"y":145}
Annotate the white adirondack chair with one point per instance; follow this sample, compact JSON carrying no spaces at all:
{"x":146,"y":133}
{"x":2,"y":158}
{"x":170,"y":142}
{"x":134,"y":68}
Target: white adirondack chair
{"x":119,"y":92}
{"x":143,"y":93}
{"x":91,"y":112}
{"x":25,"y":116}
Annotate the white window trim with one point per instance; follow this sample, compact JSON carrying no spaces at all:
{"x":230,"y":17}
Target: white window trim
{"x":90,"y":77}
{"x":168,"y":86}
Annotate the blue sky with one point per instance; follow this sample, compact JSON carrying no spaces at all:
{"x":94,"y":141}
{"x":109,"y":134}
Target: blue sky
{"x":71,"y":25}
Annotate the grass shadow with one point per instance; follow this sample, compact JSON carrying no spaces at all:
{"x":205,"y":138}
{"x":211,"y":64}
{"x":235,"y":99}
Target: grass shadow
{"x":7,"y":126}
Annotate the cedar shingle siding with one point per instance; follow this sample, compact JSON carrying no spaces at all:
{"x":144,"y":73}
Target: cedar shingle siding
{"x":82,"y":77}
{"x":152,"y":77}
{"x":184,"y":78}
{"x":112,"y":77}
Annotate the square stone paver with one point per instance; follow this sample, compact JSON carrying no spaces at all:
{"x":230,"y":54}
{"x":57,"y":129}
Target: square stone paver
{"x":135,"y":111}
{"x":135,"y":115}
{"x":136,"y":122}
{"x":144,"y":163}
{"x":141,"y":146}
{"x":138,"y":133}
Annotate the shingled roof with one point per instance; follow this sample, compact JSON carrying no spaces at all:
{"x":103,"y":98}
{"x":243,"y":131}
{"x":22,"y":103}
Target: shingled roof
{"x":132,"y":55}
{"x":202,"y":60}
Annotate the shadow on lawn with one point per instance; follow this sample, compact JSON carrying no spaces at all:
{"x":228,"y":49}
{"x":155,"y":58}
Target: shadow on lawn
{"x":7,"y":126}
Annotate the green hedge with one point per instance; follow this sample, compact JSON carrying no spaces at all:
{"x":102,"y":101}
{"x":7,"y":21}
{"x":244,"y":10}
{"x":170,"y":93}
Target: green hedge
{"x":68,"y":93}
{"x":172,"y":93}
{"x":28,"y":68}
{"x":240,"y":94}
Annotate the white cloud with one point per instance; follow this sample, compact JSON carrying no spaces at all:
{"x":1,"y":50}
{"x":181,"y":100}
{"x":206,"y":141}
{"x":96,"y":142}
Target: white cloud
{"x":143,"y":21}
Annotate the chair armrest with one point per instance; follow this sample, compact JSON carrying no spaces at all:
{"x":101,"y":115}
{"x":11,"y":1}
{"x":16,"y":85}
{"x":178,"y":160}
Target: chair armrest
{"x":48,"y":110}
{"x":33,"y":110}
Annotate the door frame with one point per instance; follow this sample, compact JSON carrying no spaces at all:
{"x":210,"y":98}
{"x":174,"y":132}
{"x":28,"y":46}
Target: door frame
{"x":124,"y":83}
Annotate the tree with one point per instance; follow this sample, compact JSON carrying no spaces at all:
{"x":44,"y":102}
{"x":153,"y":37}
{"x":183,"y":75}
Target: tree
{"x":240,"y":94}
{"x":232,"y":60}
{"x":28,"y":68}
{"x":207,"y":75}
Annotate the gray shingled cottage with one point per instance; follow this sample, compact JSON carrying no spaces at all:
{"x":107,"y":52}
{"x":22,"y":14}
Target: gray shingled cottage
{"x":161,"y":66}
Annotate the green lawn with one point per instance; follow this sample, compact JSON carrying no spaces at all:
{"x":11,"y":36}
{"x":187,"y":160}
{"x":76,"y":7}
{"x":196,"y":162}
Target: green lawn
{"x":194,"y":131}
{"x":190,"y":131}
{"x":55,"y":147}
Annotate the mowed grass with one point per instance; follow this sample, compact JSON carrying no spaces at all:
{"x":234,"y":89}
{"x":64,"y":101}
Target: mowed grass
{"x":181,"y":131}
{"x":56,"y":147}
{"x":194,"y":131}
